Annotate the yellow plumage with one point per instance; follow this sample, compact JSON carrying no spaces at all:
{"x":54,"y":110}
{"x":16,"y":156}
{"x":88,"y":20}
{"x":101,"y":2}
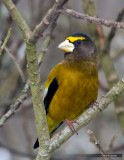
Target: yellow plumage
{"x":78,"y":87}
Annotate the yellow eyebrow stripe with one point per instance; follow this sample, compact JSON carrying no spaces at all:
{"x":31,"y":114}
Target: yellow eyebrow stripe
{"x":73,"y":39}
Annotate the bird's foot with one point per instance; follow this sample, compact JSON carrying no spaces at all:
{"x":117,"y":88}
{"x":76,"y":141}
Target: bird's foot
{"x":71,"y":125}
{"x":96,"y":104}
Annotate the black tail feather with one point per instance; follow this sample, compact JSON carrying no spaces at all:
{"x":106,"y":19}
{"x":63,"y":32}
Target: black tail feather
{"x":36,"y":144}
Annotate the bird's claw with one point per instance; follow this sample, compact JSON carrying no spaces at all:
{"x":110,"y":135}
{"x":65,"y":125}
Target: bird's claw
{"x":96,"y":104}
{"x":71,"y":125}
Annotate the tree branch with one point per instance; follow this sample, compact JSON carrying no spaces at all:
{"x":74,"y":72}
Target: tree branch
{"x":6,"y":40}
{"x":111,"y":146}
{"x":107,"y":23}
{"x":96,"y":143}
{"x":16,"y":63}
{"x":15,"y":106}
{"x":57,"y":140}
{"x":112,"y":33}
{"x":47,"y":41}
{"x":50,"y":16}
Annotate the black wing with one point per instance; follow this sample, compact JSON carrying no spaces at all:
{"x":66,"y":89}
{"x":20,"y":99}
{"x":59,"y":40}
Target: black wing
{"x":51,"y":91}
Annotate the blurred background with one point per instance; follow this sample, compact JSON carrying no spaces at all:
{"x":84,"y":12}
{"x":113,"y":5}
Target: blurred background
{"x":18,"y":134}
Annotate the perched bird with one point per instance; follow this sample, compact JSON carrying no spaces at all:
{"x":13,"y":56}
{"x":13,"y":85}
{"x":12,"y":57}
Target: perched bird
{"x":72,"y":85}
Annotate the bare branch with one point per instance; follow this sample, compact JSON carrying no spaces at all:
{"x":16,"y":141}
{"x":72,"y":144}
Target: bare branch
{"x":96,"y":143}
{"x":118,"y":19}
{"x":112,"y":143}
{"x":6,"y":40}
{"x":47,"y":41}
{"x":16,"y":63}
{"x":101,"y":37}
{"x":15,"y":106}
{"x":117,"y":54}
{"x":112,"y":33}
{"x":107,"y":23}
{"x":50,"y":16}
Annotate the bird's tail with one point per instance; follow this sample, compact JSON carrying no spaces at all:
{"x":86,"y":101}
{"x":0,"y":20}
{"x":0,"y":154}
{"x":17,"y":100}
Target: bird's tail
{"x":36,"y":144}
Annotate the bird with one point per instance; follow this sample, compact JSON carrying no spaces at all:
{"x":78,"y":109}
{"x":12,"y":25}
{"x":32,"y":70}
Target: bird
{"x":72,"y":85}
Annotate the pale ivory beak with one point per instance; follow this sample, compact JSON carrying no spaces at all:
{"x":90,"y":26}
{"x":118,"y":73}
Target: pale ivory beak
{"x":66,"y":46}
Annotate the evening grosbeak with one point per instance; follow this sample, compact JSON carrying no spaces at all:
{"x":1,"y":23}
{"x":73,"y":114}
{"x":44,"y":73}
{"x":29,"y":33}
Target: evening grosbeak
{"x":72,"y":85}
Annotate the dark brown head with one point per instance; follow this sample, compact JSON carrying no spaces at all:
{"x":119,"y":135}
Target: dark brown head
{"x":79,"y":46}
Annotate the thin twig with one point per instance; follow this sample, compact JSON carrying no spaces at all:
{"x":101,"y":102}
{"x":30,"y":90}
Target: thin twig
{"x":16,"y":63}
{"x":15,"y":106}
{"x":112,"y":33}
{"x":101,"y":37}
{"x":47,"y":41}
{"x":118,"y":19}
{"x":50,"y":16}
{"x":117,"y":54}
{"x":119,"y":148}
{"x":6,"y":40}
{"x":105,"y":42}
{"x":111,"y":146}
{"x":107,"y":23}
{"x":96,"y":143}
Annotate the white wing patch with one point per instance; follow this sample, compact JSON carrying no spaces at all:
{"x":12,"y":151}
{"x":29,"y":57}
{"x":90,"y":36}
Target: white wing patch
{"x":45,"y":92}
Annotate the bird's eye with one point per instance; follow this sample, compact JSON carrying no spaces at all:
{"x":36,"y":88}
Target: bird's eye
{"x":77,"y":42}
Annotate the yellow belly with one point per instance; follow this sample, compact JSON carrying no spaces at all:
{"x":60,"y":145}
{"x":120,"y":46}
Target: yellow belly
{"x":71,"y":99}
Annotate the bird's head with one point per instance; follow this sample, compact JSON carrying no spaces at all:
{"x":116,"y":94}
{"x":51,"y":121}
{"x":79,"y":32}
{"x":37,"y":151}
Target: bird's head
{"x":79,"y":46}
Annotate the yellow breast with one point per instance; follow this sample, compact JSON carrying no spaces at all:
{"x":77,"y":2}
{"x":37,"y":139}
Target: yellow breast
{"x":78,"y":87}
